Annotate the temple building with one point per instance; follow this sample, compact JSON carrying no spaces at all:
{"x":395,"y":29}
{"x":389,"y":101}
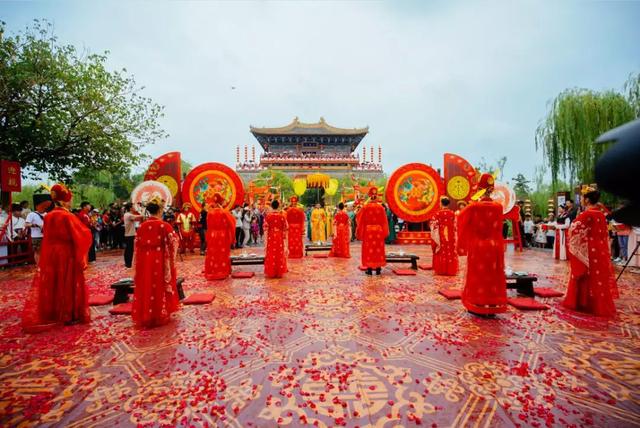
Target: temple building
{"x":302,"y":148}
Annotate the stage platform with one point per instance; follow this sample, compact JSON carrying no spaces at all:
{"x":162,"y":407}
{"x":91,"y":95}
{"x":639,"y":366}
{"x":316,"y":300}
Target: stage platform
{"x":327,"y":346}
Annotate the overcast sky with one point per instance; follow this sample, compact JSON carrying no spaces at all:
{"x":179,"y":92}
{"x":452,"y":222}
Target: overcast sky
{"x":472,"y":78}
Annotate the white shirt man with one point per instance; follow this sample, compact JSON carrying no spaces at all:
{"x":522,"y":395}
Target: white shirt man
{"x":35,"y":221}
{"x":17,"y":226}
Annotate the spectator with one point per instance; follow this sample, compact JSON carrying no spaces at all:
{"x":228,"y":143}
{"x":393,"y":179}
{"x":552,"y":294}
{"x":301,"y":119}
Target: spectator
{"x":237,"y":213}
{"x":129,"y":221}
{"x":4,"y":233}
{"x":528,"y":230}
{"x":623,"y":231}
{"x":35,"y":223}
{"x":246,"y":225}
{"x":550,"y":227}
{"x":17,"y":232}
{"x":84,"y":217}
{"x":25,"y":209}
{"x":202,"y":230}
{"x":255,"y":229}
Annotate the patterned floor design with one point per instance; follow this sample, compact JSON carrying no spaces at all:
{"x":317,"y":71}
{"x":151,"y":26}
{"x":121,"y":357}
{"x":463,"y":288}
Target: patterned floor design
{"x":325,"y":346}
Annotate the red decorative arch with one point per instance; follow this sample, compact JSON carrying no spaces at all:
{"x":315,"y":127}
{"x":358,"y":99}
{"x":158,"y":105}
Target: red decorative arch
{"x":212,"y":177}
{"x":413,"y":192}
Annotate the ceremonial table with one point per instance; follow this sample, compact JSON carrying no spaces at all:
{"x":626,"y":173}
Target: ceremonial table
{"x":316,"y":247}
{"x":523,"y":282}
{"x":247,"y":260}
{"x":125,"y":286}
{"x":403,"y":258}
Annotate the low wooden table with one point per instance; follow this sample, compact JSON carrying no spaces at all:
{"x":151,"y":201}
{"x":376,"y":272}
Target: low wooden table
{"x":315,"y":247}
{"x":246,"y":261}
{"x":523,"y":283}
{"x":124,"y":287}
{"x":404,"y":258}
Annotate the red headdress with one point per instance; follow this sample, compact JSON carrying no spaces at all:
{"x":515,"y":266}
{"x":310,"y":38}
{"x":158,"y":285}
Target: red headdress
{"x":373,"y":193}
{"x":293,"y":200}
{"x":486,"y":181}
{"x":59,"y":192}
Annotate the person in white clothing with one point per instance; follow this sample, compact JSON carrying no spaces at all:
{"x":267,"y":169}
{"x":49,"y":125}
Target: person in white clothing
{"x":634,"y":238}
{"x":4,"y":230}
{"x":561,"y":228}
{"x":246,"y":225}
{"x":35,"y":223}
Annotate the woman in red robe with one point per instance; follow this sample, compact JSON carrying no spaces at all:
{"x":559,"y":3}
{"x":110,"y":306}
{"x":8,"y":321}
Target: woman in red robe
{"x":372,"y":230}
{"x":221,"y":235}
{"x":592,"y":286}
{"x":275,"y":260}
{"x":443,"y":234}
{"x":58,"y":294}
{"x":480,"y":237}
{"x":295,"y":220}
{"x":155,"y":297}
{"x":342,"y":234}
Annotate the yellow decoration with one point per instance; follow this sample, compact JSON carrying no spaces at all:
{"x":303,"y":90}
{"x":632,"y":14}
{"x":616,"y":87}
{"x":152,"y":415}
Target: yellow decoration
{"x":333,"y":187}
{"x":318,"y":180}
{"x":299,"y":186}
{"x":170,"y":182}
{"x":458,"y":187}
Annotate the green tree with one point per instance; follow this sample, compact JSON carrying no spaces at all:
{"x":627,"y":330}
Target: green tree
{"x":632,"y":90}
{"x":521,"y":186}
{"x":279,"y":181}
{"x":62,"y":110}
{"x":576,"y":118}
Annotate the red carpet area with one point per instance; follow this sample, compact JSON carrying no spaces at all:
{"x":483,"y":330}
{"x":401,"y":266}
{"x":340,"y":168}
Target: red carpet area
{"x":325,"y":346}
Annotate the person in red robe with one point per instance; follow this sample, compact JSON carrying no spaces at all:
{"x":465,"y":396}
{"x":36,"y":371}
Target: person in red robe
{"x":341,"y":234}
{"x":295,"y":219}
{"x":592,"y":286}
{"x":221,"y":235}
{"x":275,"y":229}
{"x":155,"y":295}
{"x":443,"y":234}
{"x":372,"y":230}
{"x":58,"y":294}
{"x":480,"y":237}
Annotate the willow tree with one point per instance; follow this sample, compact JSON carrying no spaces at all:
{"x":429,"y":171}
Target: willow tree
{"x":577,"y":117}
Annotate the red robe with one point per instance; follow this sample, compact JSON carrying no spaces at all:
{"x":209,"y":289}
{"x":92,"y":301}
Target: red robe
{"x":58,"y":293}
{"x":480,"y":237}
{"x":592,"y":286}
{"x":443,"y":234}
{"x":295,"y":220}
{"x":372,"y":230}
{"x":221,"y":235}
{"x":156,"y":296}
{"x":342,"y":238}
{"x":275,"y":261}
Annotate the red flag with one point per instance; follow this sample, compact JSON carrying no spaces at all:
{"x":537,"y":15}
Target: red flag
{"x":10,"y":178}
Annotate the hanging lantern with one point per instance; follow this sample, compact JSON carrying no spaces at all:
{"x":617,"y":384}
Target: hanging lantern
{"x":299,"y":186}
{"x":333,"y":187}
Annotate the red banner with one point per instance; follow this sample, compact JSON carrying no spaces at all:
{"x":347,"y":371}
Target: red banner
{"x":167,"y":170}
{"x":10,"y":177}
{"x":460,"y":178}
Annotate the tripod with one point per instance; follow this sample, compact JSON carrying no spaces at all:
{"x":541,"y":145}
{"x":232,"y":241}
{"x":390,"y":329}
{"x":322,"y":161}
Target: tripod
{"x":633,"y":253}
